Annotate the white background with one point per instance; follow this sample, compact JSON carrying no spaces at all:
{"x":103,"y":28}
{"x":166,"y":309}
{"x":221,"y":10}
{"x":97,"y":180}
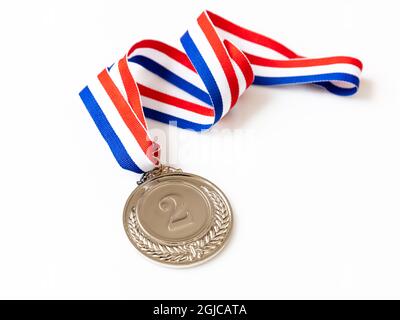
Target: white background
{"x":317,"y":205}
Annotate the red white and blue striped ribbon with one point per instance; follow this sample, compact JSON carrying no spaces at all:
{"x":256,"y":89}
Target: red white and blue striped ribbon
{"x":194,"y":89}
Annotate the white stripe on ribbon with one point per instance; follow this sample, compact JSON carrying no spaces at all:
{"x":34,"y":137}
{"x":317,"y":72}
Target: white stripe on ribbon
{"x":250,"y":47}
{"x":305,"y":71}
{"x":177,"y":112}
{"x":151,"y":80}
{"x":172,"y":65}
{"x":213,"y":64}
{"x":128,"y":140}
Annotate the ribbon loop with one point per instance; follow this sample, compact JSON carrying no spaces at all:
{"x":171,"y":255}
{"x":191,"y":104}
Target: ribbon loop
{"x":197,"y":88}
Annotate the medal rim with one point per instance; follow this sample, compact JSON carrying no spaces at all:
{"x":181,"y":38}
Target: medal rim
{"x":186,"y":264}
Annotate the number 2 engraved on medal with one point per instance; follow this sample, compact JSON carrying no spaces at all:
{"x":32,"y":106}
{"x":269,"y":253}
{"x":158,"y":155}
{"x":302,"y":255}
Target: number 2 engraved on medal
{"x":179,"y":216}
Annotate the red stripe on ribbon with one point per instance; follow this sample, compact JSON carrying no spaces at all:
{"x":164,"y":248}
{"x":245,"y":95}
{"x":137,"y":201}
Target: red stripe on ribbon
{"x":302,"y":62}
{"x":222,"y":55}
{"x":177,"y":102}
{"x":131,"y":90}
{"x":126,"y":113}
{"x":251,"y":36}
{"x":170,"y":51}
{"x":241,"y":60}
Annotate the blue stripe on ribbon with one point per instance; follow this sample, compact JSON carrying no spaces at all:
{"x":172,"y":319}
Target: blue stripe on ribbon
{"x":318,"y":79}
{"x":171,"y":77}
{"x":205,"y":74}
{"x":115,"y":144}
{"x":172,"y":120}
{"x":337,"y":90}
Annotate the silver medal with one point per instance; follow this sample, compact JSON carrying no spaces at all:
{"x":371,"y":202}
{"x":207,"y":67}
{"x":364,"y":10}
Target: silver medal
{"x":177,"y":218}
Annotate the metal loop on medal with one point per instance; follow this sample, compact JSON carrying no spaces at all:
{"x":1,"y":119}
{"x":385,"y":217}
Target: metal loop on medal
{"x":157,"y":171}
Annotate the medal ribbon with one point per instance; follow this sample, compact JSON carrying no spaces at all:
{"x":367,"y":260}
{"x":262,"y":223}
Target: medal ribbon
{"x":196,"y":88}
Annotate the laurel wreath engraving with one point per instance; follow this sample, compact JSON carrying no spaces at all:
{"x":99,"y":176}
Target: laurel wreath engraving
{"x":191,"y":251}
